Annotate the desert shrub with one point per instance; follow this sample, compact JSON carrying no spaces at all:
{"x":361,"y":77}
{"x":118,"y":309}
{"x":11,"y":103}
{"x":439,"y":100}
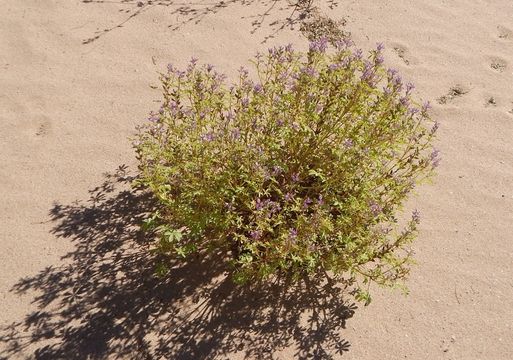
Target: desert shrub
{"x":300,"y":169}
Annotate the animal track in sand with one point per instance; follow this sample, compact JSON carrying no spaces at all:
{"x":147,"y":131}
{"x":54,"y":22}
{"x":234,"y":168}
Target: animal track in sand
{"x":491,"y":101}
{"x":498,"y":64}
{"x":402,"y":52}
{"x":43,"y":130}
{"x":454,"y":92}
{"x":504,"y":32}
{"x":44,"y":127}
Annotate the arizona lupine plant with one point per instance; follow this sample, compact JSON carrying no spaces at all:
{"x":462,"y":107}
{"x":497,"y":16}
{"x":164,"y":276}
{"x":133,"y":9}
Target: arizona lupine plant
{"x":299,"y":170}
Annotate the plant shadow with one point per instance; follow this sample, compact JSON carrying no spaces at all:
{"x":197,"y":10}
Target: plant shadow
{"x":193,"y":12}
{"x":105,"y":301}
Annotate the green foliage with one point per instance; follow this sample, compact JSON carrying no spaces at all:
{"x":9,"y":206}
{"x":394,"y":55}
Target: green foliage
{"x":302,"y":172}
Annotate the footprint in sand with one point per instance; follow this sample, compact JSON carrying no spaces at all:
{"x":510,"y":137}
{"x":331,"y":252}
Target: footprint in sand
{"x":44,"y":127}
{"x":491,"y":101}
{"x":505,"y":33}
{"x":498,"y":64}
{"x":454,"y":92}
{"x":403,"y":53}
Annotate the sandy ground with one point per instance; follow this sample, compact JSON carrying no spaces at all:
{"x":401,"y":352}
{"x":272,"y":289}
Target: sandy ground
{"x":76,"y":79}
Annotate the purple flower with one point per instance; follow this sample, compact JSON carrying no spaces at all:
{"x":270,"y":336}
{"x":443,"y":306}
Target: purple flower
{"x":380,"y":46}
{"x":307,"y":202}
{"x":426,"y":107}
{"x":320,"y":201}
{"x":259,"y":205}
{"x":344,"y":43}
{"x":245,"y":102}
{"x":387,"y":91}
{"x":277,"y":170}
{"x":358,"y":54}
{"x":415,"y":216}
{"x":348,"y":143}
{"x":375,"y":208}
{"x":319,"y":45}
{"x":288,"y":196}
{"x":409,"y":88}
{"x":210,"y":67}
{"x":435,"y":127}
{"x":398,"y":82}
{"x":310,"y":71}
{"x":170,"y":68}
{"x":154,"y":118}
{"x":236,"y":133}
{"x":368,"y":72}
{"x":412,"y":111}
{"x":379,"y":59}
{"x":256,"y":234}
{"x":194,"y":60}
{"x":208,"y":136}
{"x":295,"y":177}
{"x":404,"y":101}
{"x":258,"y":88}
{"x":292,"y":234}
{"x":391,"y":73}
{"x":243,"y":71}
{"x":435,"y":158}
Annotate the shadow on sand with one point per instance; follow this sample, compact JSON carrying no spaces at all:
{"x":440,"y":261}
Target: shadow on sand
{"x":106,"y":302}
{"x":193,"y":12}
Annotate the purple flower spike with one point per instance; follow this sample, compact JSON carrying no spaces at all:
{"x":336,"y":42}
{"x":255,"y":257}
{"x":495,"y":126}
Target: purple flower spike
{"x":380,"y":46}
{"x":426,"y":107}
{"x":379,"y":59}
{"x":435,"y":158}
{"x":409,"y":88}
{"x":435,"y":127}
{"x":310,"y":71}
{"x":245,"y":102}
{"x":256,"y":234}
{"x":258,"y":88}
{"x":319,"y":45}
{"x":295,"y":177}
{"x":375,"y":209}
{"x":292,"y":234}
{"x":404,"y":101}
{"x":391,"y":73}
{"x":348,"y":143}
{"x":208,"y":136}
{"x":243,"y":71}
{"x":415,"y":216}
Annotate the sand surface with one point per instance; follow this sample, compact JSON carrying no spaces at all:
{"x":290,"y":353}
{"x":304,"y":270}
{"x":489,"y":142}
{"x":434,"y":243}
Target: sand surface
{"x":76,"y":78}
